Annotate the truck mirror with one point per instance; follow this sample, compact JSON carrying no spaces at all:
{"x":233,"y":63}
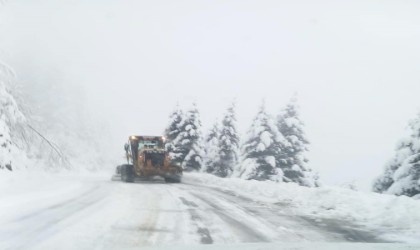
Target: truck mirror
{"x":126,"y":147}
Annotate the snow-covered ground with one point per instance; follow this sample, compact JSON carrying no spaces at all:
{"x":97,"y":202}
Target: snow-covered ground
{"x":74,"y":211}
{"x":395,"y":218}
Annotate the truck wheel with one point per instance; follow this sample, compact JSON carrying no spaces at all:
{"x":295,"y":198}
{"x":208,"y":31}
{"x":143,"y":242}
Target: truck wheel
{"x":127,"y":173}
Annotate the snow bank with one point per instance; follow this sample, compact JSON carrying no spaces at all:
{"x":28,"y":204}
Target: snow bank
{"x":396,"y":218}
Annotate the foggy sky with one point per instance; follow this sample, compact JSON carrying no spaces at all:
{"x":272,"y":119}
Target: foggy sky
{"x":354,"y":65}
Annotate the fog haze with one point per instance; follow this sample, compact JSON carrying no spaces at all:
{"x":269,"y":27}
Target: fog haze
{"x":353,"y":64}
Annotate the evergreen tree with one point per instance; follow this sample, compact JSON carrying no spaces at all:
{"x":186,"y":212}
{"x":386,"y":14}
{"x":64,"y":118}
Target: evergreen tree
{"x":10,"y":115}
{"x":264,"y":143}
{"x":212,"y":149}
{"x":385,"y":181}
{"x":5,"y":143}
{"x":188,"y":147}
{"x":228,"y":144}
{"x":402,"y":174}
{"x":294,"y":162}
{"x":171,"y":134}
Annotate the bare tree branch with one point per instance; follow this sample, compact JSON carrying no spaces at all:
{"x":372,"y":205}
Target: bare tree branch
{"x":51,"y":144}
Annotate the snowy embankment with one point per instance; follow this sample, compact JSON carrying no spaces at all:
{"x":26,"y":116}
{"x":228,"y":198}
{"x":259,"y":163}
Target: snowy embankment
{"x":396,"y":218}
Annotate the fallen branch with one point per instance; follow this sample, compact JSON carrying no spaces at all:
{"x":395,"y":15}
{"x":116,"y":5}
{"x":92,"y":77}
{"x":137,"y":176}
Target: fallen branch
{"x":51,"y":144}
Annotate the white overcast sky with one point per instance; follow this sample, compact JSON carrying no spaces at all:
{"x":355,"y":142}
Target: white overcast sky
{"x":354,"y":64}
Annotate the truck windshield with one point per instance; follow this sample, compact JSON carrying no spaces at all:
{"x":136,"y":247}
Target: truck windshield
{"x":149,"y":144}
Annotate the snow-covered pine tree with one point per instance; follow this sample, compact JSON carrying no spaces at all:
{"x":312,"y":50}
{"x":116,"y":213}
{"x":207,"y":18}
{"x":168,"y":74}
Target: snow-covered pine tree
{"x":294,"y":161}
{"x":172,"y":132}
{"x":211,"y":158}
{"x":264,"y":143}
{"x":228,"y":144}
{"x":10,"y":115}
{"x":188,"y":144}
{"x":402,"y":175}
{"x":385,"y":181}
{"x":192,"y":131}
{"x":5,"y":141}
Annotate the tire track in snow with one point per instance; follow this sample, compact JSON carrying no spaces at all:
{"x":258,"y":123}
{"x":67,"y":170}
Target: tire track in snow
{"x":338,"y":230}
{"x":55,"y":206}
{"x":205,"y":236}
{"x":332,"y":229}
{"x":31,"y":229}
{"x":241,"y":229}
{"x":148,"y":226}
{"x":284,"y":227}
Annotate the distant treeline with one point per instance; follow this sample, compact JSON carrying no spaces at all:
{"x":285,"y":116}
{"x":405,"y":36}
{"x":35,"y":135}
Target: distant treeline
{"x":274,"y":148}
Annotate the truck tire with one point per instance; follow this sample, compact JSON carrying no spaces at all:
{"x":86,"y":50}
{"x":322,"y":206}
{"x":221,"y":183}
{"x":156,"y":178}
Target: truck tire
{"x":127,"y":173}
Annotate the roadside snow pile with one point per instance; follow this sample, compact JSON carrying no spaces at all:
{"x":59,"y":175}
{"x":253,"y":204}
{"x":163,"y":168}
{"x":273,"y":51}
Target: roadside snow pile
{"x":396,"y":218}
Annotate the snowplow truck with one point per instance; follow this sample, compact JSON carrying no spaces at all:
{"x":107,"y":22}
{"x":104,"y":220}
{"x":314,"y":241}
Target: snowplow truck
{"x":147,"y":157}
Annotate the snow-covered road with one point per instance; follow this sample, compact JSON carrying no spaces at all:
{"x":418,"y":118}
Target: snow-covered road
{"x":101,"y":214}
